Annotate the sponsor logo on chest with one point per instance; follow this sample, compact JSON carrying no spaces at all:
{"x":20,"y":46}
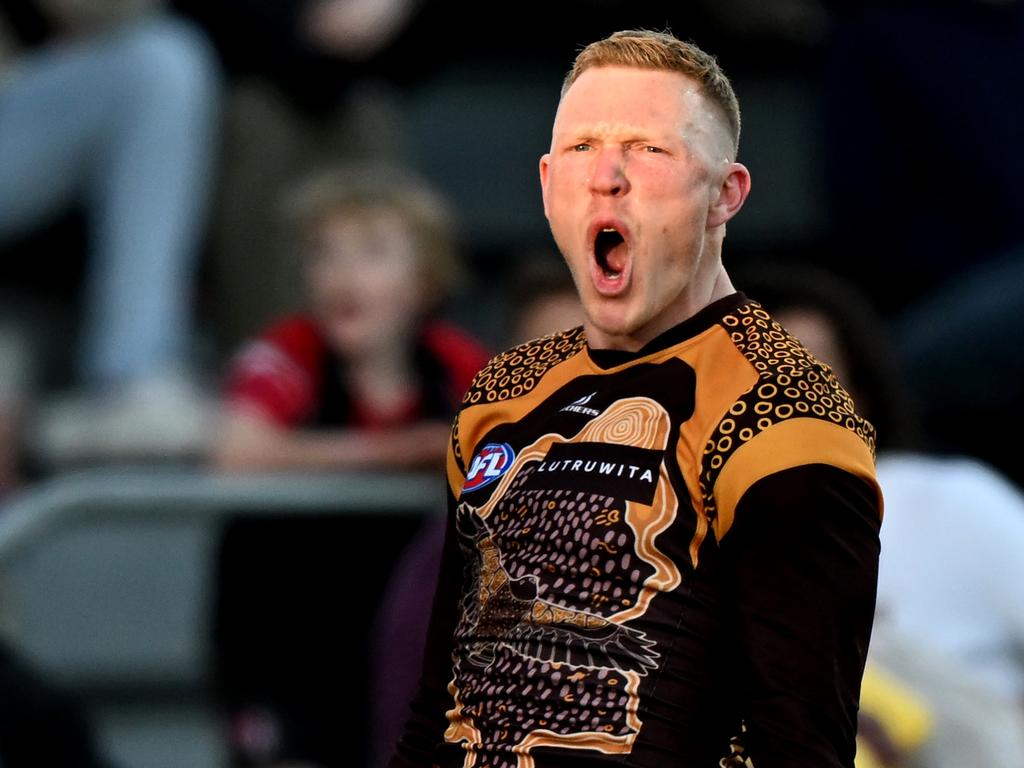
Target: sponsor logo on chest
{"x":618,"y":469}
{"x":609,"y":469}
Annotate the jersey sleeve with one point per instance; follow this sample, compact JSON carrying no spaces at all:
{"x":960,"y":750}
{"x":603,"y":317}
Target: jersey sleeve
{"x":802,"y":565}
{"x":277,"y":374}
{"x":788,"y":444}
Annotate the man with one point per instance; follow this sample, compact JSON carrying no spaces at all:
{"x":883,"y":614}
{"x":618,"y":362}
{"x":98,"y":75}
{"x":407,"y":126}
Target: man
{"x":664,"y":534}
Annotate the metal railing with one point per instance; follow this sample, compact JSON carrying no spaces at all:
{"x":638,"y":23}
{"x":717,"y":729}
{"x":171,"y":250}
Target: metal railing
{"x":196,"y":494}
{"x":107,"y":578}
{"x":108,"y":574}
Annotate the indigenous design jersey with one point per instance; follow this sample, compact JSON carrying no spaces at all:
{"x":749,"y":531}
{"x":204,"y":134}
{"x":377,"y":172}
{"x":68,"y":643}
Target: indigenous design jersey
{"x":593,"y":496}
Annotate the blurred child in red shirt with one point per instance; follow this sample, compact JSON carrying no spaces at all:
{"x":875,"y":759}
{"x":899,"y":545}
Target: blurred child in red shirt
{"x":366,"y":378}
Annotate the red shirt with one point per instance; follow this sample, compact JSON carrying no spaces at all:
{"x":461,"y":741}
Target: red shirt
{"x":293,"y":378}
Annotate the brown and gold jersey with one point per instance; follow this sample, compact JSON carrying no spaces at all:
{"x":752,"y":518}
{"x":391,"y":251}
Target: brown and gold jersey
{"x":657,"y":558}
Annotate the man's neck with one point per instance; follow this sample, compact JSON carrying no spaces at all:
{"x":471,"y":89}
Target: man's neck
{"x":695,"y":299}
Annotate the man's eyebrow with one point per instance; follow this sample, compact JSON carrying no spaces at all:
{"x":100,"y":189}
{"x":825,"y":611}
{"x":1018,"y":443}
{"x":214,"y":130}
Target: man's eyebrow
{"x":635,"y":136}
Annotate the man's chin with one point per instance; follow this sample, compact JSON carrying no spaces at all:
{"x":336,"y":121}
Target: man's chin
{"x":611,"y":330}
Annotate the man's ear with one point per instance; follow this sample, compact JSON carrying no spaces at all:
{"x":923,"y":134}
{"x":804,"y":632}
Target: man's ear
{"x":545,"y":170}
{"x":732,"y":193}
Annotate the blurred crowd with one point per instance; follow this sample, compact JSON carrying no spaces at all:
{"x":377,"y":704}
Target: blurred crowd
{"x":255,"y":237}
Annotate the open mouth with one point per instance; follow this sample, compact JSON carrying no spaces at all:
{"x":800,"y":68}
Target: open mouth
{"x":610,"y":252}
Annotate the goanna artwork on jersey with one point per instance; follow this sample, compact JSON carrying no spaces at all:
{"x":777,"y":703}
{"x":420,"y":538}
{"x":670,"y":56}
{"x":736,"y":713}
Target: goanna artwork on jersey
{"x":546,"y":654}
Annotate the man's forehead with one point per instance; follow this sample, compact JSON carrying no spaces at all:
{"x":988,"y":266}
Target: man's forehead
{"x":605,"y":129}
{"x":603,"y":99}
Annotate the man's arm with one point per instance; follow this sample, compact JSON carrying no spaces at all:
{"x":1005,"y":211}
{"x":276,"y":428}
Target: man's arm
{"x":427,"y":722}
{"x":803,"y":551}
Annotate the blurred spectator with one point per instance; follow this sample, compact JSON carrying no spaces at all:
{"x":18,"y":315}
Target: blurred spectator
{"x":949,"y":620}
{"x":366,"y":378}
{"x":113,"y":111}
{"x":892,"y":723}
{"x":310,"y":51}
{"x":543,"y":299}
{"x":310,"y":85}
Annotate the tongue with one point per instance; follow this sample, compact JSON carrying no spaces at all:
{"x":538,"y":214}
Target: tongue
{"x":615,"y":257}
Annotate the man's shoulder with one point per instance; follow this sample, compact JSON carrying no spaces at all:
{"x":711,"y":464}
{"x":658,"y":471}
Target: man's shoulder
{"x":795,"y":413}
{"x":517,"y":370}
{"x":786,"y":370}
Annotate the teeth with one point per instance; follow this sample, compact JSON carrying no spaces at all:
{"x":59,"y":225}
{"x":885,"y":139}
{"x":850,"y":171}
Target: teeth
{"x":608,"y":229}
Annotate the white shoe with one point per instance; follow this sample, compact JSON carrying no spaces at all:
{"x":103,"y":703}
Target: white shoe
{"x":161,"y":417}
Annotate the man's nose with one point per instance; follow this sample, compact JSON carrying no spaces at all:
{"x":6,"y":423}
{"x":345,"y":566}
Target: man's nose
{"x":608,"y":175}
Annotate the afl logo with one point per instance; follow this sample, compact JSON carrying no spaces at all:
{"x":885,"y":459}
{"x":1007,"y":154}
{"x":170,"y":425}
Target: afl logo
{"x":493,"y":461}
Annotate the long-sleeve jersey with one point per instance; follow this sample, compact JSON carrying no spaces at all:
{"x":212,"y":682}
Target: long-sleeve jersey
{"x":660,"y":558}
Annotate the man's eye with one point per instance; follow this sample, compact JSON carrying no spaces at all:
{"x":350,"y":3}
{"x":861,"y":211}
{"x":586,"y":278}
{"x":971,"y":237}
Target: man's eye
{"x":582,"y":147}
{"x":649,"y":148}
